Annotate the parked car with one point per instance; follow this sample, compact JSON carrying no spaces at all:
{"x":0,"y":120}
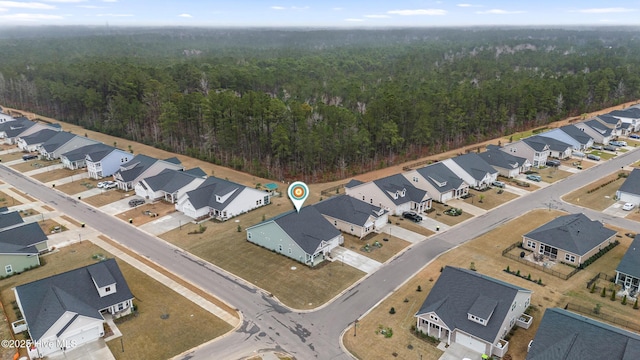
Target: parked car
{"x":101,"y":184}
{"x":554,"y":163}
{"x":410,"y":215}
{"x":136,"y":202}
{"x":634,"y":136}
{"x":593,"y":157}
{"x":29,"y":157}
{"x":596,"y":147}
{"x":628,"y":206}
{"x":534,"y":177}
{"x":610,"y":148}
{"x":618,"y":143}
{"x":110,"y":185}
{"x":499,"y":184}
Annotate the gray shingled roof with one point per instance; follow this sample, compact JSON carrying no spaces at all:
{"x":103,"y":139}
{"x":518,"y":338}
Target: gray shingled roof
{"x":39,"y":137}
{"x":554,"y":144}
{"x":631,"y":184}
{"x":575,"y":233}
{"x":173,"y":160}
{"x":57,"y":140}
{"x":630,"y":263}
{"x":308,"y":228}
{"x":535,"y":143}
{"x":352,"y":183}
{"x":458,"y":291}
{"x":348,"y":209}
{"x":563,"y":335}
{"x":438,"y":174}
{"x":631,"y":113}
{"x":576,"y":133}
{"x":474,"y":165}
{"x":23,"y":235}
{"x":136,"y":166}
{"x":397,"y":182}
{"x":205,"y":194}
{"x":16,"y":127}
{"x":599,"y":127}
{"x":10,"y":219}
{"x":197,"y":172}
{"x":81,"y":152}
{"x":45,"y":300}
{"x":608,"y":119}
{"x":169,"y":180}
{"x":502,"y":159}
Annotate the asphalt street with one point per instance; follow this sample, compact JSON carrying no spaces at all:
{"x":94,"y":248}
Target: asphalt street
{"x":312,"y":334}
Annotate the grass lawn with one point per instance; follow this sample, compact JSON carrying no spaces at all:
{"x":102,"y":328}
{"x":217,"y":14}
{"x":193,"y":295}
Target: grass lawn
{"x":107,"y":197}
{"x":410,"y":225}
{"x":517,"y":183}
{"x":144,"y":213}
{"x":553,"y":174}
{"x":146,"y":335}
{"x":28,"y":212}
{"x":601,"y":195}
{"x":78,"y":186}
{"x":6,"y":200}
{"x":12,"y":156}
{"x":31,"y":165}
{"x":604,"y":155}
{"x":485,"y":253}
{"x":447,"y":219}
{"x":490,"y":198}
{"x":223,"y":245}
{"x":49,"y":225}
{"x":57,"y":174}
{"x":389,"y":248}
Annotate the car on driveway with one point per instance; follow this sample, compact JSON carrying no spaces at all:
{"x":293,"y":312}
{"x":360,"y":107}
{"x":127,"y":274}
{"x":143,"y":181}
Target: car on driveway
{"x":593,"y":157}
{"x":101,"y":184}
{"x":110,"y":185}
{"x":533,"y":177}
{"x":596,"y":147}
{"x":499,"y":184}
{"x":136,"y":202}
{"x":410,"y":215}
{"x":553,"y":163}
{"x":634,"y":136}
{"x":610,"y":148}
{"x":628,"y":206}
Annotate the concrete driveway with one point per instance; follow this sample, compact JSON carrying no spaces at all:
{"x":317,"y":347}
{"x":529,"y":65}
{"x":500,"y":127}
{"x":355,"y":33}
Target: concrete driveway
{"x":616,"y":210}
{"x":356,"y":260}
{"x":458,"y":352}
{"x":95,"y":350}
{"x":117,"y":207}
{"x":404,"y":234}
{"x":166,"y":223}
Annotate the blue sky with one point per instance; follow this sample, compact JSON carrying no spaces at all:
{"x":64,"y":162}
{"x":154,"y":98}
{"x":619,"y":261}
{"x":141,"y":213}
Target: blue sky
{"x":318,"y":13}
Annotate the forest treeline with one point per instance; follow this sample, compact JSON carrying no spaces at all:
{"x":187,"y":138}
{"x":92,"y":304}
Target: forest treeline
{"x":315,"y":104}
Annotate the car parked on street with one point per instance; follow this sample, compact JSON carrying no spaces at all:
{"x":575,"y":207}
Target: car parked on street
{"x":618,"y":143}
{"x":593,"y":157}
{"x":628,"y":206}
{"x":410,"y":215}
{"x":533,"y":177}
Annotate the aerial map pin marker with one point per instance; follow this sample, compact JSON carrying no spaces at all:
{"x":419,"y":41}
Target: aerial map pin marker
{"x":298,"y":193}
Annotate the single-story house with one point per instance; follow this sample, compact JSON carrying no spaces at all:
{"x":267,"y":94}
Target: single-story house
{"x":438,"y":181}
{"x":169,"y":184}
{"x":33,"y":141}
{"x":600,"y":133}
{"x":15,"y":257}
{"x":532,"y":149}
{"x":570,"y":238}
{"x":628,"y":271}
{"x":305,"y":236}
{"x":630,"y":116}
{"x":629,"y":191}
{"x":472,"y":169}
{"x":557,"y":149}
{"x":140,"y":167}
{"x":571,"y":135}
{"x":67,"y":310}
{"x":473,"y":310}
{"x":353,"y":216}
{"x":508,"y":165}
{"x":394,"y":193}
{"x":61,"y":143}
{"x":566,"y":335}
{"x":220,"y":199}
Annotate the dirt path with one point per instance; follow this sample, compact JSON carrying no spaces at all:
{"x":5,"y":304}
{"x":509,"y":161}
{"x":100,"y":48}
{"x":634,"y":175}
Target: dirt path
{"x":251,"y":180}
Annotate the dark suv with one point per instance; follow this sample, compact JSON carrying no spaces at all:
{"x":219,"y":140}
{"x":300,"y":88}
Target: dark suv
{"x":553,"y":163}
{"x":412,"y":216}
{"x":136,"y":202}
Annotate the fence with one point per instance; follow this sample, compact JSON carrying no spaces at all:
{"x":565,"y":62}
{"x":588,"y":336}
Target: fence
{"x":608,"y":318}
{"x":598,"y":276}
{"x":546,"y":270}
{"x":332,"y":190}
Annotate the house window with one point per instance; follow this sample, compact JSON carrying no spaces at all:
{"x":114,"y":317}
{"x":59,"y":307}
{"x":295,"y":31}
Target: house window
{"x":289,"y":251}
{"x":335,"y":222}
{"x":526,"y":303}
{"x":258,"y":202}
{"x":570,"y":258}
{"x":280,"y":248}
{"x":370,"y":201}
{"x":107,"y":289}
{"x":362,"y":197}
{"x":514,"y":305}
{"x":415,"y":179}
{"x":120,"y":306}
{"x":248,"y":235}
{"x":351,"y":228}
{"x":531,"y":244}
{"x":513,"y":320}
{"x":8,"y":269}
{"x":433,"y":317}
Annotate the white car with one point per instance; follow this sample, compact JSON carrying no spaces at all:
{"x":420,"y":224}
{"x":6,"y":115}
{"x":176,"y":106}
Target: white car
{"x":628,"y":206}
{"x":101,"y":184}
{"x":110,"y":185}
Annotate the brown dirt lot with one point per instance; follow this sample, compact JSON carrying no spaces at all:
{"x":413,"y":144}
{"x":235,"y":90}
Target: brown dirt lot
{"x":78,"y":186}
{"x":6,"y":200}
{"x":389,"y":248}
{"x":107,"y":197}
{"x":485,"y":253}
{"x":601,"y":195}
{"x":30,"y":165}
{"x":49,"y":225}
{"x":57,"y":174}
{"x":490,"y":198}
{"x":12,"y":156}
{"x":144,"y":214}
{"x":439,"y":215}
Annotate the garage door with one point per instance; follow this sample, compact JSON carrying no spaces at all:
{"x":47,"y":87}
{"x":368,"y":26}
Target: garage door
{"x":471,"y":343}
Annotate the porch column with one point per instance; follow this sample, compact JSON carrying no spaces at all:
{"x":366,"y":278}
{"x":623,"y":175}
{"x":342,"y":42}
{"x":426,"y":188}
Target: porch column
{"x":428,"y":328}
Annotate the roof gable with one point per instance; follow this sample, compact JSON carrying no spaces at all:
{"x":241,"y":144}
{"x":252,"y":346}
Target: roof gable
{"x":502,"y":159}
{"x":630,"y":262}
{"x":474,"y":165}
{"x":348,"y":209}
{"x":631,"y":184}
{"x":10,"y":219}
{"x":440,"y":177}
{"x":400,"y":190}
{"x":574,"y":233}
{"x":57,"y":140}
{"x":215,"y":193}
{"x":307,"y":228}
{"x":23,"y":235}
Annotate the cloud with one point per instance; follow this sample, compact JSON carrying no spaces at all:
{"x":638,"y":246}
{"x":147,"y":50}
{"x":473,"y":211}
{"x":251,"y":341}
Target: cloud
{"x":354,"y":20}
{"x":374,"y":16}
{"x":64,"y":1}
{"x":499,"y":12}
{"x":185,"y":15}
{"x":418,"y":12}
{"x":605,"y":10}
{"x":464,"y":5}
{"x":30,"y":17}
{"x":299,"y":8}
{"x":337,"y":9}
{"x":25,"y":5}
{"x":90,"y":7}
{"x":278,"y":7}
{"x":114,"y":15}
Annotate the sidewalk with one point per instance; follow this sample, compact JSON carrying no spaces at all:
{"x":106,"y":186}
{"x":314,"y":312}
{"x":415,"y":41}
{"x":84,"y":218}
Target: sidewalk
{"x":468,"y":208}
{"x":354,"y":259}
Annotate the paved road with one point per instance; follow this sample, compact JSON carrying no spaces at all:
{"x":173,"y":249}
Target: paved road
{"x":314,"y":334}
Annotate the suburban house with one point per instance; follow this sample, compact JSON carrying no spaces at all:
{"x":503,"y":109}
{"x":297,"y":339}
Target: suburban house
{"x":169,"y":184}
{"x":473,"y":310}
{"x":33,"y":141}
{"x":571,"y":239}
{"x":25,"y":235}
{"x":15,"y":256}
{"x":576,"y":137}
{"x":629,"y":191}
{"x":628,"y":271}
{"x":76,"y":158}
{"x":557,"y":149}
{"x":61,"y":143}
{"x":566,"y":335}
{"x":438,"y":181}
{"x":305,"y":236}
{"x":105,"y":161}
{"x":630,"y":116}
{"x":67,"y":310}
{"x":353,"y":216}
{"x":11,"y":129}
{"x":611,"y":122}
{"x":532,"y":149}
{"x":5,"y":117}
{"x":394,"y":193}
{"x":472,"y":169}
{"x":508,"y":165}
{"x":220,"y":199}
{"x":600,"y":133}
{"x":140,"y":167}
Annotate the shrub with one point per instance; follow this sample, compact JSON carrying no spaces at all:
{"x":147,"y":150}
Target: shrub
{"x":624,"y":300}
{"x":635,"y":305}
{"x":419,"y":288}
{"x":613,"y":294}
{"x":593,"y":288}
{"x":596,"y":310}
{"x":392,"y":310}
{"x":604,"y":292}
{"x":508,"y":270}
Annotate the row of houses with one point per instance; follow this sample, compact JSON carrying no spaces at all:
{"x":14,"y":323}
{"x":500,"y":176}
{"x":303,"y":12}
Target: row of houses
{"x":20,"y":243}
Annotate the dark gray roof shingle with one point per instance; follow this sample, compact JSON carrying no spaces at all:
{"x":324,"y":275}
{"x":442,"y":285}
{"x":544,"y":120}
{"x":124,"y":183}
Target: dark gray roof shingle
{"x":576,"y":134}
{"x":352,"y":183}
{"x":535,"y":143}
{"x":23,"y":235}
{"x":554,"y":144}
{"x":169,"y":180}
{"x":308,"y":228}
{"x":348,"y":209}
{"x":474,"y":165}
{"x":10,"y":219}
{"x":136,"y":166}
{"x":16,"y":127}
{"x":599,"y":127}
{"x":631,"y":184}
{"x":395,"y":184}
{"x":574,"y":233}
{"x":57,"y":140}
{"x":81,"y":152}
{"x":440,"y":177}
{"x":631,"y":113}
{"x":502,"y":159}
{"x":630,"y":263}
{"x":39,"y":137}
